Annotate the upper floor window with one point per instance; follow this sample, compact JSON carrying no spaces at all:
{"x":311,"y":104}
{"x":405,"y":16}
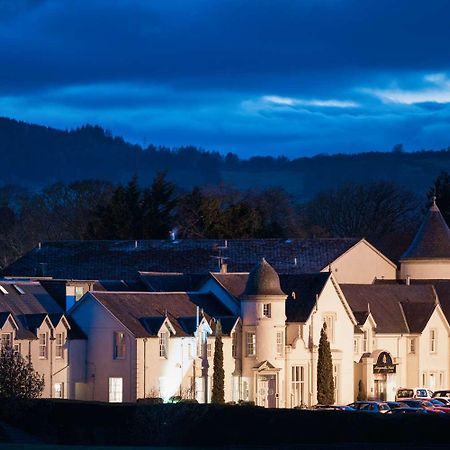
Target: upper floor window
{"x":6,"y":340}
{"x":355,"y":346}
{"x":251,"y":344}
{"x":79,"y":291}
{"x":119,"y":345}
{"x":412,"y":345}
{"x":267,"y":310}
{"x":163,"y":344}
{"x":280,"y":343}
{"x":43,"y":345}
{"x":366,"y":341}
{"x":209,"y":350}
{"x":329,"y":319}
{"x":59,"y":345}
{"x":433,"y":341}
{"x":234,"y":345}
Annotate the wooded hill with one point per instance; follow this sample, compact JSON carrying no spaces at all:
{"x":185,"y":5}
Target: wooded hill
{"x":34,"y":156}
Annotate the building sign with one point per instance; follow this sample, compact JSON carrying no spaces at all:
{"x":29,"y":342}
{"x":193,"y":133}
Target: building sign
{"x":384,"y":364}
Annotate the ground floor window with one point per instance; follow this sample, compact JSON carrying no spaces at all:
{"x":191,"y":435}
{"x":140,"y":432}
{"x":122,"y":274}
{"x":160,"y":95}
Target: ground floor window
{"x":336,"y":380}
{"x":297,"y":386}
{"x":59,"y":390}
{"x":115,"y":390}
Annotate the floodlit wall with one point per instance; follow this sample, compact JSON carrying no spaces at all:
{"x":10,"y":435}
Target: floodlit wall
{"x":361,"y":265}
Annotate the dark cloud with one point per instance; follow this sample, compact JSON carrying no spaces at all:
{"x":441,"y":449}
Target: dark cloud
{"x":253,"y":76}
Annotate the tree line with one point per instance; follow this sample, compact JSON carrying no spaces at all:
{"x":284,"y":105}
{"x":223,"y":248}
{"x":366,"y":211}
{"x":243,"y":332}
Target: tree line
{"x":94,"y":209}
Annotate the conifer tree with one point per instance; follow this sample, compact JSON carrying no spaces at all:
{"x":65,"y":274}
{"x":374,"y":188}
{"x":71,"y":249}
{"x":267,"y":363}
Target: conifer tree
{"x":325,"y":383}
{"x":361,"y":391}
{"x":17,"y":376}
{"x":218,"y":388}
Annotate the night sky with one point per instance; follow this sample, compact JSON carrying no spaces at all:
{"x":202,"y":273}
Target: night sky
{"x":253,"y":77}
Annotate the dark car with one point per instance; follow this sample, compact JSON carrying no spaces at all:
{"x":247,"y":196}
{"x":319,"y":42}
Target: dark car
{"x":371,"y":407}
{"x":428,"y":406}
{"x":396,"y":405}
{"x":407,"y":410}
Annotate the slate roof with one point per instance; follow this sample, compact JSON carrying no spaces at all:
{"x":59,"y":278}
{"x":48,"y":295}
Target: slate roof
{"x":141,"y":312}
{"x":305,"y":287}
{"x":170,"y":281}
{"x":234,"y":283}
{"x":395,"y":308}
{"x":122,"y":260}
{"x":29,"y":303}
{"x":432,"y":240}
{"x":263,"y":280}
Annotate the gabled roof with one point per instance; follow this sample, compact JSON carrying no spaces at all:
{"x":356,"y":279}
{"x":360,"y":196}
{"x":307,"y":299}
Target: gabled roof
{"x":234,"y":283}
{"x":144,"y":312}
{"x":303,"y":290}
{"x":395,"y":308}
{"x":30,"y":304}
{"x":432,"y":240}
{"x":123,"y":259}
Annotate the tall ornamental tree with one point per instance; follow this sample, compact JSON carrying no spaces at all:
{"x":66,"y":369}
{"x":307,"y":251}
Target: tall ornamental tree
{"x":17,"y":376}
{"x":325,"y":383}
{"x":218,"y":388}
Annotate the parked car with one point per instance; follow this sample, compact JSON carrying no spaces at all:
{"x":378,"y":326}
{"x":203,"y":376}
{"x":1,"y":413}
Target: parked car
{"x":396,"y":405}
{"x":333,"y":408}
{"x":424,"y":404}
{"x":441,"y":394}
{"x":408,"y":410}
{"x":444,"y":400}
{"x":418,"y":392}
{"x":369,"y":406}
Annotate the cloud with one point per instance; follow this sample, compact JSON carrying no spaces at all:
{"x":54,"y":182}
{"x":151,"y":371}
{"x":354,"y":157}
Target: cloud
{"x":290,"y":101}
{"x":436,"y":89}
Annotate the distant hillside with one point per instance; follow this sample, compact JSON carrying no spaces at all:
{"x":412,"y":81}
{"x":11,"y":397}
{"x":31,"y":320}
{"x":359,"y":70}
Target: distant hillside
{"x":33,"y":156}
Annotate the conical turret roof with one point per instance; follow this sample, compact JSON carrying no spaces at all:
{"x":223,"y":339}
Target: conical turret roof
{"x":263,"y":280}
{"x":432,"y":241}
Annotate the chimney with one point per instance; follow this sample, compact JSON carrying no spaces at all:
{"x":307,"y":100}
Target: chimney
{"x":172,"y":235}
{"x":223,"y":267}
{"x":408,"y":280}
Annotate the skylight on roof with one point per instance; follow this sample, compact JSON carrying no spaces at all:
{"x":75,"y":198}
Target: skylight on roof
{"x":3,"y":290}
{"x":19,"y":289}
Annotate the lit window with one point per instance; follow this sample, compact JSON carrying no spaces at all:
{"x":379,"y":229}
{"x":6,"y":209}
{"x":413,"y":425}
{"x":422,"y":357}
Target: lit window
{"x":163,"y":344}
{"x":433,"y":339}
{"x":412,"y":345}
{"x":329,"y":322}
{"x":119,"y":345}
{"x":280,"y":343}
{"x":267,"y":310}
{"x":59,"y":344}
{"x":79,"y":291}
{"x":59,"y":390}
{"x":43,"y":345}
{"x":251,"y":344}
{"x":115,"y":390}
{"x":297,"y":386}
{"x":6,"y":340}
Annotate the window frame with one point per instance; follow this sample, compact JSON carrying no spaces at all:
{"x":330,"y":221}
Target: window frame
{"x":267,"y":310}
{"x":433,"y":340}
{"x":250,"y":344}
{"x":43,"y":347}
{"x":119,"y":347}
{"x":163,"y":338}
{"x":280,"y":343}
{"x":6,"y":340}
{"x":59,"y":346}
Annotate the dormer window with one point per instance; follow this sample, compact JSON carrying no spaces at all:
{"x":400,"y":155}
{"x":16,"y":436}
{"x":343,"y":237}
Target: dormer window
{"x":163,"y":344}
{"x":267,"y":310}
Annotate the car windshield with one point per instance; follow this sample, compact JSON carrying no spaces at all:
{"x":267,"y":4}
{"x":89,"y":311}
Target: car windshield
{"x":422,"y":393}
{"x":405,"y":393}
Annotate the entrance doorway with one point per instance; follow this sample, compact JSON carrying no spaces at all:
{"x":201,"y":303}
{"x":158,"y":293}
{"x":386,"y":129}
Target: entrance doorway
{"x":267,"y":391}
{"x":380,"y":385}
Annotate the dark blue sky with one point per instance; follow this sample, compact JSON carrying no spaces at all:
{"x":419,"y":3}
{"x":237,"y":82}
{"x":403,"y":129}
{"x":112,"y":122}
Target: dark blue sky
{"x":293,"y":77}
